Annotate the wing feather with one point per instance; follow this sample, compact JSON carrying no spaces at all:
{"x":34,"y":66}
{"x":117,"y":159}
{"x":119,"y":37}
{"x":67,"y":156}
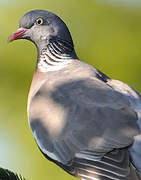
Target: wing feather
{"x":70,"y":116}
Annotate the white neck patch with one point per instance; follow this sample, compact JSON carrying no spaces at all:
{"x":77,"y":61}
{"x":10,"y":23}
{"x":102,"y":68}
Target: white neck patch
{"x":48,"y":63}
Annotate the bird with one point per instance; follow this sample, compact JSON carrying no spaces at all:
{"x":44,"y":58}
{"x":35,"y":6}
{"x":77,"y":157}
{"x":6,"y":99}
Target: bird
{"x":81,"y":119}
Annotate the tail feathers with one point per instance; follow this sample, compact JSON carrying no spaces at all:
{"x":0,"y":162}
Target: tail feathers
{"x":113,"y":166}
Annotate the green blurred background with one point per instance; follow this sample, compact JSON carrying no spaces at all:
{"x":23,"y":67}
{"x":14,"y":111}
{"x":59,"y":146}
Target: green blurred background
{"x":106,"y":33}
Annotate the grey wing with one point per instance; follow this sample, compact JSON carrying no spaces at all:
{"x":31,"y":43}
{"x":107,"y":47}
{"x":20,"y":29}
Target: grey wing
{"x":79,"y":115}
{"x":114,"y":165}
{"x":135,"y":101}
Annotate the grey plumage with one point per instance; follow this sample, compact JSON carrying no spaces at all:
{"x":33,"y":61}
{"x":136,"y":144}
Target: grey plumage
{"x":81,"y":119}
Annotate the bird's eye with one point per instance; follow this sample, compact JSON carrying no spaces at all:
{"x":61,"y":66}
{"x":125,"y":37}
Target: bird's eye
{"x":39,"y":21}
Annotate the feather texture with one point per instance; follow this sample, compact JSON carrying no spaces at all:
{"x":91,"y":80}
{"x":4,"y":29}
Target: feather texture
{"x":77,"y":119}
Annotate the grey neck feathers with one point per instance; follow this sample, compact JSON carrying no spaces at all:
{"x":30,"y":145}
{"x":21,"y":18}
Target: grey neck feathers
{"x":57,"y":54}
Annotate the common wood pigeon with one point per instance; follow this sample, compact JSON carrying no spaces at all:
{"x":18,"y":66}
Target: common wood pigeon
{"x":85,"y":122}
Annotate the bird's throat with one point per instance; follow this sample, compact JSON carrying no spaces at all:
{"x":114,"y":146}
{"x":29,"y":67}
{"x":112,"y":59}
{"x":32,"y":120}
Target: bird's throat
{"x":55,"y":56}
{"x":48,"y":62}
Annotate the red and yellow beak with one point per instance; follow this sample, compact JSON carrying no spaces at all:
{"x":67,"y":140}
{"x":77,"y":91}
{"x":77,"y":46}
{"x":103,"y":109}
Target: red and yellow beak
{"x":17,"y":35}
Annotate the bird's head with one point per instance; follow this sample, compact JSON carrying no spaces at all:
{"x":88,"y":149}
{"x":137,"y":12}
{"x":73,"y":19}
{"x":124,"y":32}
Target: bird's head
{"x":39,"y":26}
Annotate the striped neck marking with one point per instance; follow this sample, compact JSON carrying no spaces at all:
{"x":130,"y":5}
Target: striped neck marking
{"x":51,"y":61}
